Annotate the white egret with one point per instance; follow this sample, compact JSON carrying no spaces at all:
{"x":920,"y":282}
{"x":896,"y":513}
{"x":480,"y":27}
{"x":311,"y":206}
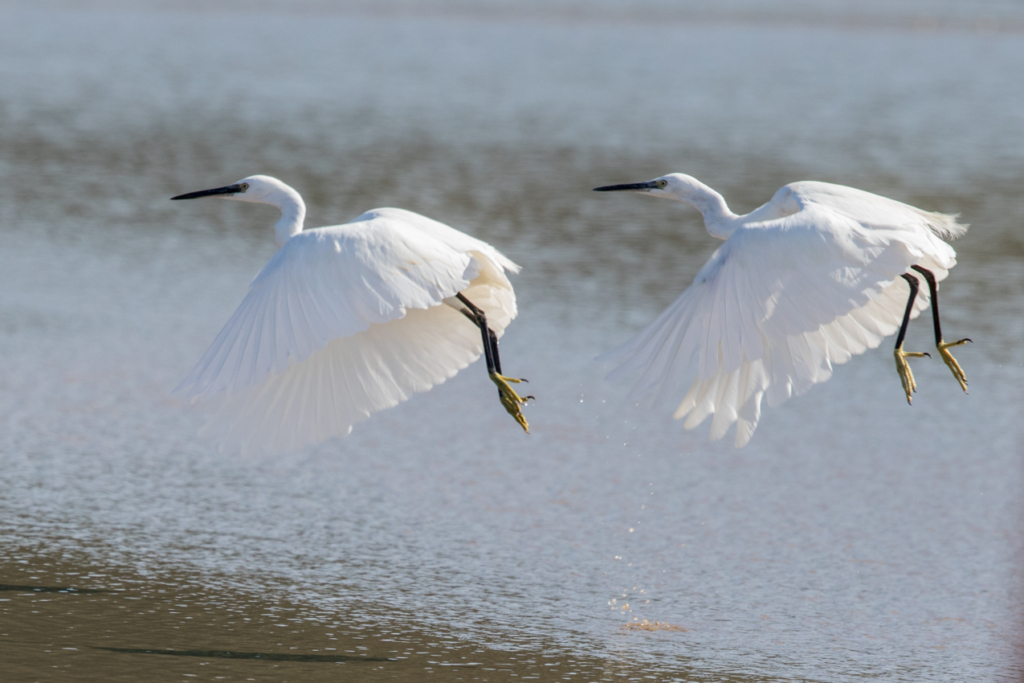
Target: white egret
{"x":815,"y":276}
{"x":347,"y":320}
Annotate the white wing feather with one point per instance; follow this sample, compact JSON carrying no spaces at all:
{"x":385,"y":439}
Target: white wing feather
{"x":813,"y":282}
{"x":345,"y":321}
{"x":347,"y":381}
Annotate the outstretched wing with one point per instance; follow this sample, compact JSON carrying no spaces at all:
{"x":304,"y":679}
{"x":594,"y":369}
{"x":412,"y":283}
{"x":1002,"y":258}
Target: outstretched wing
{"x":346,"y":381}
{"x":457,"y":240}
{"x":780,"y":303}
{"x":324,"y":284}
{"x":875,"y":211}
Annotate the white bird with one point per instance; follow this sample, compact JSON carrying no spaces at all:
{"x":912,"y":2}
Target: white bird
{"x":815,"y":276}
{"x":347,"y":320}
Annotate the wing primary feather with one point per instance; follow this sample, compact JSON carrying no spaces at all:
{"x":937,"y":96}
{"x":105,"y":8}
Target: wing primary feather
{"x":669,"y":353}
{"x":751,"y":345}
{"x":710,"y":349}
{"x":724,"y":411}
{"x":731,"y":319}
{"x":247,"y":339}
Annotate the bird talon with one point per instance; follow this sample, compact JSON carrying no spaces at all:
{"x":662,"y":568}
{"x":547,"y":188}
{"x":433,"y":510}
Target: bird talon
{"x":511,"y":400}
{"x":906,"y":375}
{"x":951,"y":362}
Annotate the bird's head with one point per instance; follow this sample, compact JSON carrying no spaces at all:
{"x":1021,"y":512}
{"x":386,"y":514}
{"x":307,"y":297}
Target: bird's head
{"x":261,"y":189}
{"x":672,"y":186}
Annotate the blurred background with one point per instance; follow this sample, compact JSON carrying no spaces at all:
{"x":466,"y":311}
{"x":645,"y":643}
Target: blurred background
{"x":854,"y":537}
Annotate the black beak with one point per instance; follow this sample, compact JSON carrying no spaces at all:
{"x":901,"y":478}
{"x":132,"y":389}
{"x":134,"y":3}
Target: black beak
{"x":650,"y":184}
{"x":229,"y":189}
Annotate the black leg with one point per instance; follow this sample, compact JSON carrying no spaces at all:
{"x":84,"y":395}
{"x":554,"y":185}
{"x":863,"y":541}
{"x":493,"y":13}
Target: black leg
{"x":933,"y":290}
{"x":941,"y":345}
{"x":494,"y":350}
{"x":912,"y":281}
{"x":489,"y":337}
{"x":479,"y":318}
{"x":509,"y":398}
{"x":902,"y":367}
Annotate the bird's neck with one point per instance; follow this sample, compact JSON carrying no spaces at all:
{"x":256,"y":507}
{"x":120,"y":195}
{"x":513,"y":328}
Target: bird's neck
{"x":718,"y":218}
{"x":293,"y":215}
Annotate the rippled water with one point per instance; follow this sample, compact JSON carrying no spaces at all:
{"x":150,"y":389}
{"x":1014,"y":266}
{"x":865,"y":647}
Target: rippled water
{"x":855,"y":537}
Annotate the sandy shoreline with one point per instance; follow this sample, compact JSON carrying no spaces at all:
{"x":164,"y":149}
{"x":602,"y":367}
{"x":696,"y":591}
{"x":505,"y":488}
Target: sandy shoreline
{"x":61,"y":619}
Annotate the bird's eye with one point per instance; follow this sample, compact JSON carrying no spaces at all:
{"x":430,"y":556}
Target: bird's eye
{"x":662,"y":184}
{"x":244,"y":186}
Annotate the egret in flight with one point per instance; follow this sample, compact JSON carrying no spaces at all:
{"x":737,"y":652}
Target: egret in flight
{"x":817,"y":275}
{"x":347,"y":320}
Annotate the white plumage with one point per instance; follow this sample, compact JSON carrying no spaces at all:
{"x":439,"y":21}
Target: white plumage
{"x":801,"y":284}
{"x":344,"y":321}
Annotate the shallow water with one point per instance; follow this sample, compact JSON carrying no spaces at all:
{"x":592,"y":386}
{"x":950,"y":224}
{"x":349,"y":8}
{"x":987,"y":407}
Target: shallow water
{"x":854,"y":537}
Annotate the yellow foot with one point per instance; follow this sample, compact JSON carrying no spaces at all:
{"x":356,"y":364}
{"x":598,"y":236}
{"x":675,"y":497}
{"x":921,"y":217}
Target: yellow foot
{"x":902,"y":367}
{"x":510,"y":399}
{"x":958,"y":372}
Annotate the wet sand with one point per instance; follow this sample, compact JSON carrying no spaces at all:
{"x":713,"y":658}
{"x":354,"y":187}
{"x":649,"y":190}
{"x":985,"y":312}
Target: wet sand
{"x":65,"y":621}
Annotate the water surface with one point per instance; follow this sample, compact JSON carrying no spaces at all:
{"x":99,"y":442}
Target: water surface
{"x":855,"y":537}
